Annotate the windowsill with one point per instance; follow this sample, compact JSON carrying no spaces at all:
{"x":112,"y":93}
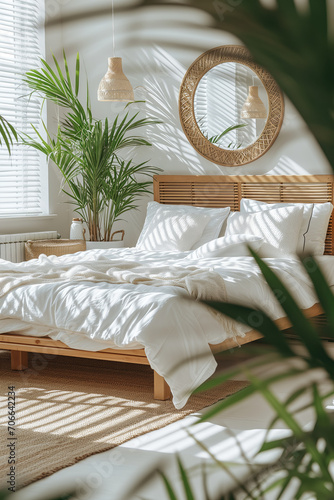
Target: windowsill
{"x":28,"y":217}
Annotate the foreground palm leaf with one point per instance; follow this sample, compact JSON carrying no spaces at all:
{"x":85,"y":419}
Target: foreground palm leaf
{"x":189,"y":495}
{"x":317,"y":460}
{"x":303,"y":328}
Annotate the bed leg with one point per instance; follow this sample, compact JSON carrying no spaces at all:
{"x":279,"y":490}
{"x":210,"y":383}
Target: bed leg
{"x":161,"y":388}
{"x":19,"y":360}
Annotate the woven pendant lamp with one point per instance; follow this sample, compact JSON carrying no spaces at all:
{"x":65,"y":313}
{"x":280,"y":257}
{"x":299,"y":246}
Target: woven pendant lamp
{"x":115,"y":86}
{"x":253,"y":107}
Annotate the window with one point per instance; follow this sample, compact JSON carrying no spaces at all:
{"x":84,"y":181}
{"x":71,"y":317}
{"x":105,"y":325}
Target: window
{"x":23,"y":175}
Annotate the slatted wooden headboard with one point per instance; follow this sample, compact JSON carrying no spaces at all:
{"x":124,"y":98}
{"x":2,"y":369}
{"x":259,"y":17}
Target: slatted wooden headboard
{"x":227,"y":191}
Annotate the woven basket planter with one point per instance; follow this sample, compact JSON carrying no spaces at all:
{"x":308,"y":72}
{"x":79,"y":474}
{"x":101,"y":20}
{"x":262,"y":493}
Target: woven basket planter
{"x":33,"y":249}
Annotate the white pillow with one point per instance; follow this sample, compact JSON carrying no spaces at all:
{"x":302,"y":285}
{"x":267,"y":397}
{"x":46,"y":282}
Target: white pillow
{"x":216,"y":218}
{"x":314,"y":226}
{"x":173,"y":232}
{"x":235,"y":245}
{"x":279,"y":228}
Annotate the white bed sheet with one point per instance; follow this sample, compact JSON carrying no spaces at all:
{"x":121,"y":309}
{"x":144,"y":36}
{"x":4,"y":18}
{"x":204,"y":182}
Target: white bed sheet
{"x":95,"y":316}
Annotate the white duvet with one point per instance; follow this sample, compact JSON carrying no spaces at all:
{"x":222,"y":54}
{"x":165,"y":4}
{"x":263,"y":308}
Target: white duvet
{"x":131,"y":299}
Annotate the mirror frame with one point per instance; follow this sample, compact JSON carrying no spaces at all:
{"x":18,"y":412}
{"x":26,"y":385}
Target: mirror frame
{"x":203,"y":64}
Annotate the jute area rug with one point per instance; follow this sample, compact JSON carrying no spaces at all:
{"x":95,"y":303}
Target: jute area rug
{"x":67,"y":409}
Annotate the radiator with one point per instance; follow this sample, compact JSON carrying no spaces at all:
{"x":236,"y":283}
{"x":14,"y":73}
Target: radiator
{"x":12,"y":245}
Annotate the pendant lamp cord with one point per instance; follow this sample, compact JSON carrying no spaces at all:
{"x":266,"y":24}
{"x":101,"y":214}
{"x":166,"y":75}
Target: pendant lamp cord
{"x":113,"y":27}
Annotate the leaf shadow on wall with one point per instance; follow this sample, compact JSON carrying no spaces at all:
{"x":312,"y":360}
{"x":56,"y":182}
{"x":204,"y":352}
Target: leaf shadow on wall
{"x":160,"y":89}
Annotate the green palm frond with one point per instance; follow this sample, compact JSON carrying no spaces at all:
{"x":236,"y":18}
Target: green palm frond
{"x":216,"y":138}
{"x":185,"y":481}
{"x":7,"y":133}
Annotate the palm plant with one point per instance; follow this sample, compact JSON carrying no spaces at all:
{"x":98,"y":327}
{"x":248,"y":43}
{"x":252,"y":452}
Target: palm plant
{"x":7,"y":133}
{"x":102,"y":185}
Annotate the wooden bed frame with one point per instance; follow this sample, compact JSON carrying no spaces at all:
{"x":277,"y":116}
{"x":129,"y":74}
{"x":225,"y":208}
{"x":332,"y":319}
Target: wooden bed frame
{"x":205,"y":191}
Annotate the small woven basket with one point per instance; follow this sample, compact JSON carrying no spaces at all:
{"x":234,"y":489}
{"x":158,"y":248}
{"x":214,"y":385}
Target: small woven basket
{"x":33,"y":249}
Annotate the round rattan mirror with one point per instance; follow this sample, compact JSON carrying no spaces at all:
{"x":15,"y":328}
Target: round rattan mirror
{"x":231,"y":109}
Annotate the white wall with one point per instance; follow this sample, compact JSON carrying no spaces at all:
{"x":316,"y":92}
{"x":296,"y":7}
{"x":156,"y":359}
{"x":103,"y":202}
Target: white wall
{"x":156,"y":52}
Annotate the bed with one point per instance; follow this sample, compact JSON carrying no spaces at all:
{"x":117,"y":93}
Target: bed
{"x":201,"y":191}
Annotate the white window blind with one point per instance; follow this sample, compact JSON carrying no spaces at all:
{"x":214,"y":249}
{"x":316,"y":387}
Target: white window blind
{"x":22,"y":180}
